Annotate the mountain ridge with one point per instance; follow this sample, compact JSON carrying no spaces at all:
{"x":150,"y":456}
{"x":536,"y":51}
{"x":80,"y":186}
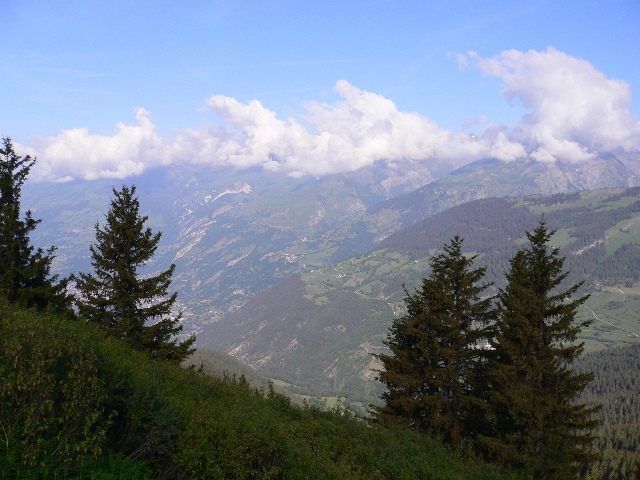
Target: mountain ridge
{"x":317,"y":329}
{"x":234,"y":233}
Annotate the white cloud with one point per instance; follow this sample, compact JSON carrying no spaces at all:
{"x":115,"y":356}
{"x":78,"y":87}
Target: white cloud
{"x":575,"y":109}
{"x":76,"y":153}
{"x":357,"y":131}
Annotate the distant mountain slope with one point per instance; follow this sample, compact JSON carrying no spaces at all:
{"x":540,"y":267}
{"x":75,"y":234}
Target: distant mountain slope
{"x":234,"y":233}
{"x":616,"y":387}
{"x":231,"y":233}
{"x":219,"y":364}
{"x":317,"y":330}
{"x":494,"y":178}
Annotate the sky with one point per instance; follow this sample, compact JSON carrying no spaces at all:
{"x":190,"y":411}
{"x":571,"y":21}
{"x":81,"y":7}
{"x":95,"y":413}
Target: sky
{"x":111,"y":89}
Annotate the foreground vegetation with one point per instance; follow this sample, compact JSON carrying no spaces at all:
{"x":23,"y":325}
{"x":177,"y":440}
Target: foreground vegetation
{"x":494,"y":379}
{"x":75,"y":404}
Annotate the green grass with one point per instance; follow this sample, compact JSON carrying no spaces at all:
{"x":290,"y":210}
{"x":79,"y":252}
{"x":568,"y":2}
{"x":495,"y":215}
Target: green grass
{"x":562,"y":238}
{"x":615,"y":318}
{"x":625,"y":233}
{"x":111,"y":466}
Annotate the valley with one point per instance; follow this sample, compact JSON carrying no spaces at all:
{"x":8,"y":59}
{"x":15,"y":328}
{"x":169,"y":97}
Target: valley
{"x":294,"y":275}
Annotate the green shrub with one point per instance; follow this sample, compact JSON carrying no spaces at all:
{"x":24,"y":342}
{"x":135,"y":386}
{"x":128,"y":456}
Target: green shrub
{"x":76,"y":405}
{"x":52,"y":399}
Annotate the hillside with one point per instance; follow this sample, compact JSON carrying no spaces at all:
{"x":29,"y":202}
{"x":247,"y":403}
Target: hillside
{"x":233,"y":233}
{"x":236,"y":235}
{"x":616,"y":387}
{"x":76,"y":405}
{"x":317,"y":330}
{"x":493,"y":178}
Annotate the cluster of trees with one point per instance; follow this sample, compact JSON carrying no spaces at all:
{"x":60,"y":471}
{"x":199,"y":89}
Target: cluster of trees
{"x":494,"y":374}
{"x":616,"y":386}
{"x":115,"y":296}
{"x":75,"y":404}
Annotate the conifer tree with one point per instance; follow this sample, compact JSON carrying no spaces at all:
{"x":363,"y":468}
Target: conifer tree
{"x":25,"y":272}
{"x":539,"y":427}
{"x":432,"y":372}
{"x":126,"y":305}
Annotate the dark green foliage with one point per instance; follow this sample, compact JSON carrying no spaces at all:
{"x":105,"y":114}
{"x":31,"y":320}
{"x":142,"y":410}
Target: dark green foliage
{"x":539,"y":426}
{"x":157,"y":420}
{"x":230,"y":430}
{"x":24,"y":271}
{"x":616,"y":385}
{"x":52,"y":397}
{"x":434,"y":369}
{"x":125,"y":304}
{"x":110,"y":466}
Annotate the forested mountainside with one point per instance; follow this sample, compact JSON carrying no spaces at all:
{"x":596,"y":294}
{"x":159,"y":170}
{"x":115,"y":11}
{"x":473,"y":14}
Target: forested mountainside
{"x":616,"y":386}
{"x":597,"y":230}
{"x":233,"y":233}
{"x":317,"y":330}
{"x":492,"y":178}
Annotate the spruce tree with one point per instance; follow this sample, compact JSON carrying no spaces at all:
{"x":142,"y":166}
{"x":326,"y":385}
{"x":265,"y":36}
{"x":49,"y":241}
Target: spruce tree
{"x":125,"y":304}
{"x":25,"y":272}
{"x":539,"y":426}
{"x":432,"y":372}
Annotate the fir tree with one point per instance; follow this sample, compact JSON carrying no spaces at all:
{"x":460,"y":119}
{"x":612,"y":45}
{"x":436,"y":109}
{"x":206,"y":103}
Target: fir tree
{"x":125,"y":304}
{"x":432,"y":371}
{"x":25,"y":272}
{"x":539,"y":427}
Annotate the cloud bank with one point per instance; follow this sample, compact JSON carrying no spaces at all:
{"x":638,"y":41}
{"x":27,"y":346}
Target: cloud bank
{"x":574,"y":112}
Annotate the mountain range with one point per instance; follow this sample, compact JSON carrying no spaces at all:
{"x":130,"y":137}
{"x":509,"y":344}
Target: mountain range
{"x":300,"y":277}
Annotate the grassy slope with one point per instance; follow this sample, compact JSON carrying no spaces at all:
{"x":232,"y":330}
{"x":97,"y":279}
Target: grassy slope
{"x":161,"y":420}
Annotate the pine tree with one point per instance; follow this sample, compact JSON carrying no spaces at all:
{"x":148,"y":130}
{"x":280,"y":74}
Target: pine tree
{"x":432,"y":372}
{"x":539,"y":427}
{"x":25,"y":272}
{"x":125,"y":304}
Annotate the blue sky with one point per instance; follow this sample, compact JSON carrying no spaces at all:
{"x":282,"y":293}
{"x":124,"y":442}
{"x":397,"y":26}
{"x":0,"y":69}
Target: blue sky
{"x":114,"y":88}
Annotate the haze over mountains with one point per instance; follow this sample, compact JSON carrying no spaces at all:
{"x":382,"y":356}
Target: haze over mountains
{"x":234,"y":233}
{"x":230,"y":224}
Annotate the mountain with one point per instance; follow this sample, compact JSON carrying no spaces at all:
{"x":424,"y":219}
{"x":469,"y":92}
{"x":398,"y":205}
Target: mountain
{"x":230,"y":233}
{"x":494,"y":178}
{"x":235,"y":234}
{"x":317,"y":330}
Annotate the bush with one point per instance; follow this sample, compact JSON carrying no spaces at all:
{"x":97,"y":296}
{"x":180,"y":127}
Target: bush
{"x":52,"y":399}
{"x":77,"y":405}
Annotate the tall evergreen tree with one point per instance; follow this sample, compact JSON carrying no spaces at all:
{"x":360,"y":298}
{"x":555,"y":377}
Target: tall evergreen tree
{"x":125,"y":304}
{"x":25,"y":272}
{"x":432,"y":372}
{"x":539,"y":427}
